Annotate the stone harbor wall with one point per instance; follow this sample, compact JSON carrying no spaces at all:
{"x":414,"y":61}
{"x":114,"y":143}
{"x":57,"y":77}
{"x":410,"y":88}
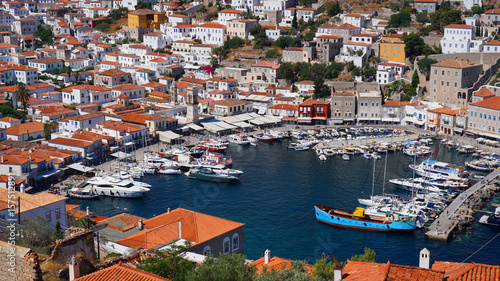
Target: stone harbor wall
{"x":18,"y":263}
{"x":77,"y":241}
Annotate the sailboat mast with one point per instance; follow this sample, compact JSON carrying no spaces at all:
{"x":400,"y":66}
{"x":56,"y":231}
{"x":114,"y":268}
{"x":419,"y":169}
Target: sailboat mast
{"x":373,"y":179}
{"x":414,"y":168}
{"x":385,"y":171}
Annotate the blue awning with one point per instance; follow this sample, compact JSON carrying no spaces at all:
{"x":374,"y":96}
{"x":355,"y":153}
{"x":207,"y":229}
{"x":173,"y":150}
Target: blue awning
{"x":47,"y":174}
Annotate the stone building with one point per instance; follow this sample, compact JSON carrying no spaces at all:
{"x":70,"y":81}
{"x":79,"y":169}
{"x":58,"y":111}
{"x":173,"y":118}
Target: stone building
{"x":450,"y":81}
{"x":343,"y":107}
{"x":19,"y":265}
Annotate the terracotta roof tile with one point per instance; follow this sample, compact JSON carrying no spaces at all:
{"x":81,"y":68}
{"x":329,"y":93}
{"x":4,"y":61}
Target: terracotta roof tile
{"x":121,"y":272}
{"x":123,"y":221}
{"x":491,"y":103}
{"x":467,"y":271}
{"x":483,"y":92}
{"x":275,"y":263}
{"x":455,"y":64}
{"x":24,"y":128}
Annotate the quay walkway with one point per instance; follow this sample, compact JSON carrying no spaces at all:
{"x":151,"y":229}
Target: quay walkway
{"x":442,"y":228}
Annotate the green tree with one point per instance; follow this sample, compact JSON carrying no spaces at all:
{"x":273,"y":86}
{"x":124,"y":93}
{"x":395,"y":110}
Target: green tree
{"x":294,"y":20}
{"x":225,"y":267}
{"x":414,"y":45}
{"x":296,"y":272}
{"x":320,"y":89}
{"x":357,"y":71}
{"x":324,"y":270}
{"x":55,"y":71}
{"x":477,"y":10}
{"x":36,"y":234}
{"x":102,"y":26}
{"x":272,"y":53}
{"x":144,"y":5}
{"x":401,"y":19}
{"x":368,"y":256}
{"x":58,"y":231}
{"x":478,"y":31}
{"x":22,"y":96}
{"x":169,"y":263}
{"x":45,"y":34}
{"x":332,"y":8}
{"x":415,"y":80}
{"x":422,"y":17}
{"x":334,"y":70}
{"x":425,"y":65}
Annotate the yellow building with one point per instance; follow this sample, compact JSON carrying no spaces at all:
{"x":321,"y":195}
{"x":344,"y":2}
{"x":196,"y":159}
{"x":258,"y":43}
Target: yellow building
{"x":392,"y":48}
{"x":146,"y":18}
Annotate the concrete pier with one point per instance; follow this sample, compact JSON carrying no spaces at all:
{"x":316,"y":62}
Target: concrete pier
{"x":442,"y":228}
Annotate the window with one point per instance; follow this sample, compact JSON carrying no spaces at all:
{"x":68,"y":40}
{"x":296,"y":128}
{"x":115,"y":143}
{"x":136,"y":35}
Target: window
{"x":47,"y":216}
{"x":207,"y":251}
{"x":236,"y":242}
{"x":58,"y":213}
{"x":226,"y":245}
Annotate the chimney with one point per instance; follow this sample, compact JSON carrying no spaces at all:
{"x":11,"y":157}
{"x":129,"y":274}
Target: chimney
{"x":267,"y":256}
{"x":140,"y":225}
{"x":337,"y":269}
{"x":425,"y":259}
{"x":21,"y":188}
{"x":180,"y":230}
{"x":168,"y":209}
{"x":74,"y":269}
{"x":88,"y":211}
{"x":2,"y":158}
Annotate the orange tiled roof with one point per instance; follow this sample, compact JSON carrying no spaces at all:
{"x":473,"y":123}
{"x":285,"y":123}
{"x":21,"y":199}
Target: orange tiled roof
{"x":33,"y":201}
{"x":213,"y":25}
{"x":71,"y":142}
{"x":264,"y":63}
{"x":491,"y":103}
{"x":127,"y":87}
{"x":483,"y":92}
{"x":494,"y":42}
{"x":455,"y":64}
{"x":459,"y":26}
{"x":314,"y":102}
{"x":121,"y":272}
{"x":21,"y":129}
{"x":284,"y":106}
{"x":370,"y":271}
{"x":112,"y":72}
{"x":467,"y":271}
{"x":393,"y":103}
{"x":196,"y":227}
{"x":275,"y":263}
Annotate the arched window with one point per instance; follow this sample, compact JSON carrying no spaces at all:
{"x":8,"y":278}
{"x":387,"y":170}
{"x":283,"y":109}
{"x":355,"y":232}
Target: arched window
{"x":459,"y":95}
{"x":236,"y":241}
{"x":207,"y":251}
{"x":226,"y":245}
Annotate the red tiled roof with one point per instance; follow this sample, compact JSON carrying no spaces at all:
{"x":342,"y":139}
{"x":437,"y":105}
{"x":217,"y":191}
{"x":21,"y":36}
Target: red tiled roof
{"x":196,"y":227}
{"x":284,"y":106}
{"x":112,"y":72}
{"x":491,"y":103}
{"x":459,"y":26}
{"x":122,"y":222}
{"x":121,"y":272}
{"x":275,"y":263}
{"x":493,"y":11}
{"x":21,"y":129}
{"x":231,"y":11}
{"x":393,"y":103}
{"x":213,"y":25}
{"x":127,"y":87}
{"x":494,"y":42}
{"x":467,"y":271}
{"x":264,"y":63}
{"x":313,"y":102}
{"x":71,"y":142}
{"x":370,"y":271}
{"x":483,"y":92}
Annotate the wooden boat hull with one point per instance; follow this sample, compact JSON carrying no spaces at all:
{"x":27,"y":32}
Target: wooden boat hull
{"x":345,"y":219}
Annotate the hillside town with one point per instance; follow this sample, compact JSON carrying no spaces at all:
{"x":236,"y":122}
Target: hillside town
{"x":86,"y":85}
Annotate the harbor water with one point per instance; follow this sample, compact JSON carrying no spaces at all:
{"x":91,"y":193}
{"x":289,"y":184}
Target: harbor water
{"x":275,"y":199}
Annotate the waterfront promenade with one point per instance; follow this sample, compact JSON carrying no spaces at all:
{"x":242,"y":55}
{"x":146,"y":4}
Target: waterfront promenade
{"x":442,"y":228}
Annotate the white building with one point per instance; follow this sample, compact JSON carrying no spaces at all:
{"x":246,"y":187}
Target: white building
{"x":226,"y":15}
{"x":132,"y":91}
{"x":155,"y":40}
{"x":492,"y":47}
{"x":354,"y":19}
{"x":181,"y":32}
{"x":211,"y":33}
{"x":388,"y":72}
{"x":305,"y":87}
{"x":86,"y":94}
{"x":356,"y":52}
{"x":244,"y":5}
{"x":460,"y":38}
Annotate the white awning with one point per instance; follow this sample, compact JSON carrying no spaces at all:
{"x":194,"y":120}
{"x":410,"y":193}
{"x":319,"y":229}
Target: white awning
{"x":80,"y":167}
{"x":243,"y":117}
{"x":129,"y":143}
{"x":225,"y":125}
{"x":194,"y":127}
{"x":243,"y":125}
{"x":212,"y":127}
{"x":262,"y":111}
{"x":168,"y":136}
{"x":419,"y":122}
{"x":389,"y":119}
{"x":257,"y":122}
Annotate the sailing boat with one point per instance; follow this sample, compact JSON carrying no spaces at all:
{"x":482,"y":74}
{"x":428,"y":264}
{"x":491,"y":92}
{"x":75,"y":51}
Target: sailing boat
{"x":360,"y":220}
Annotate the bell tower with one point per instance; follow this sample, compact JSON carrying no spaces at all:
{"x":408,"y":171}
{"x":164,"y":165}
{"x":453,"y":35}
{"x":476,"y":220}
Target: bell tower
{"x":173,"y":93}
{"x":192,"y":104}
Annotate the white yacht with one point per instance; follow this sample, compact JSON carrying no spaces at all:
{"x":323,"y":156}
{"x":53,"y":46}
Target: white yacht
{"x":116,"y":187}
{"x":153,"y":160}
{"x":239,"y":139}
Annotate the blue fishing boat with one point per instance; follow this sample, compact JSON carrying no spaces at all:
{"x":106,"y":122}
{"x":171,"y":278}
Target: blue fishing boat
{"x":360,"y":220}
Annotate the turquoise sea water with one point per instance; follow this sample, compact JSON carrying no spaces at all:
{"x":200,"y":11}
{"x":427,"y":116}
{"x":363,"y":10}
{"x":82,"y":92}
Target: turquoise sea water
{"x":275,"y":200}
